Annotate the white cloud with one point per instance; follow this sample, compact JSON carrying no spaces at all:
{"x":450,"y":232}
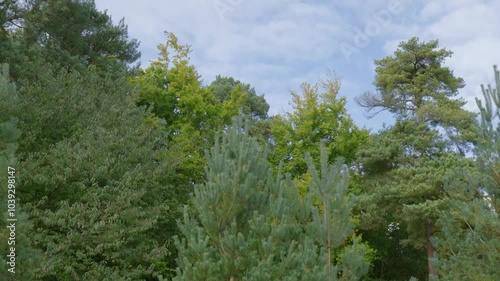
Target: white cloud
{"x":432,"y":10}
{"x":276,"y":45}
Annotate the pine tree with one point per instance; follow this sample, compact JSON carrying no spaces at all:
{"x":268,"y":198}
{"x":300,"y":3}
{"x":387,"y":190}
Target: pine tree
{"x":246,"y":224}
{"x":331,"y":222}
{"x":469,"y":245}
{"x":405,"y":166}
{"x":489,"y":149}
{"x":76,"y":35}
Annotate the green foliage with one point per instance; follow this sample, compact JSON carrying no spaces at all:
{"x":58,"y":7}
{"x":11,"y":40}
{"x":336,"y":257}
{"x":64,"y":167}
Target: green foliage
{"x":414,"y":84}
{"x":246,"y":224}
{"x":74,"y":34}
{"x":9,"y":132}
{"x":172,"y":88}
{"x":255,"y":106}
{"x":469,"y":245}
{"x":394,"y":261}
{"x":103,"y":170}
{"x":26,"y":257}
{"x":488,"y":150}
{"x":317,"y":116}
{"x":11,"y":14}
{"x":405,"y":169}
{"x":406,"y":165}
{"x":491,"y":108}
{"x":331,"y":222}
{"x":401,"y":176}
{"x":51,"y":111}
{"x":239,"y":98}
{"x":94,"y":180}
{"x":412,"y":79}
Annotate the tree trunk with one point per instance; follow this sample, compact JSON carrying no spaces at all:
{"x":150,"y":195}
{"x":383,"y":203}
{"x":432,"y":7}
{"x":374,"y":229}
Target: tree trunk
{"x":430,"y":248}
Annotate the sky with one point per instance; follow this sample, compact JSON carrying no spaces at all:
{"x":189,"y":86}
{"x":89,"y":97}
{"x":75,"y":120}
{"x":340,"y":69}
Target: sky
{"x":276,"y":45}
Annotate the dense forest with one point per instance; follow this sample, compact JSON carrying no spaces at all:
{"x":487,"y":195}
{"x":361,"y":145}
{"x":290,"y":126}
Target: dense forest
{"x":117,"y":172}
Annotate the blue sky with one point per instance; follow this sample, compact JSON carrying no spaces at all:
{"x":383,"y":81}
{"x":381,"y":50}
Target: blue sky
{"x":277,"y":45}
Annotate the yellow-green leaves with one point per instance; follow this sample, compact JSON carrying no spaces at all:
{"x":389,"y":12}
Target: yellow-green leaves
{"x":318,"y":114}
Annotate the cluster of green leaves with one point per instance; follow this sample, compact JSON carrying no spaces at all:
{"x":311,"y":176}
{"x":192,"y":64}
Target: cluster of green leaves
{"x":255,"y":105}
{"x":316,"y":116}
{"x":189,"y":112}
{"x":102,"y":178}
{"x":414,"y":84}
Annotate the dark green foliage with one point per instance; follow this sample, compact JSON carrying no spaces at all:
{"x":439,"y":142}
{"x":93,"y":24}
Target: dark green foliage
{"x":26,"y":257}
{"x":406,"y":165}
{"x":56,"y":106}
{"x":256,"y":106}
{"x":405,"y":169}
{"x":469,"y":245}
{"x":246,"y":224}
{"x":9,"y":131}
{"x":395,"y":261}
{"x":71,"y":34}
{"x":74,"y":34}
{"x":414,"y":84}
{"x":11,"y":14}
{"x":94,"y":180}
{"x":102,"y":170}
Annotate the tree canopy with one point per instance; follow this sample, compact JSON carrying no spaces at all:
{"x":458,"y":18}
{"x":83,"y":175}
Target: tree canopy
{"x":117,"y":172}
{"x":407,"y":164}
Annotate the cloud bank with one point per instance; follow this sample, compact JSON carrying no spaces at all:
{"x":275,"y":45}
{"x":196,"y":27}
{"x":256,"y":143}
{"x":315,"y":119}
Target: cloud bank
{"x":276,"y":45}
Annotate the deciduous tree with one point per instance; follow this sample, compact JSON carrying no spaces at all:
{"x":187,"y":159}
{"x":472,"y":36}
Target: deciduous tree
{"x":255,"y":106}
{"x":318,"y":114}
